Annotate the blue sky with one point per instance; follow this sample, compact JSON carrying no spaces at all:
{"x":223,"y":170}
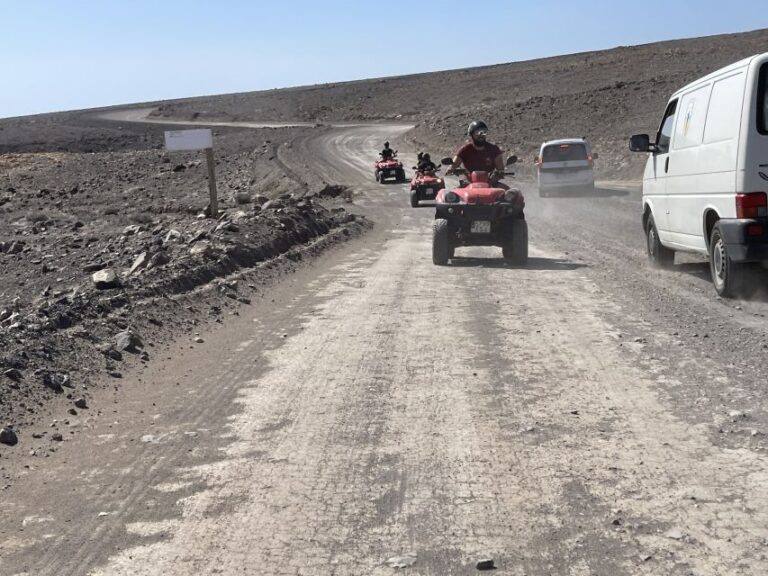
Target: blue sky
{"x":63,"y":55}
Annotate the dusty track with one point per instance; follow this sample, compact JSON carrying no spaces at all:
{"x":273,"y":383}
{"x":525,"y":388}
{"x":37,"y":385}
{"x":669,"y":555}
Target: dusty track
{"x":583,"y":415}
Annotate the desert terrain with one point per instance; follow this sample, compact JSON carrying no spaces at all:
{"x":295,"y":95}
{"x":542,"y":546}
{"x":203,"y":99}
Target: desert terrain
{"x":294,"y":388}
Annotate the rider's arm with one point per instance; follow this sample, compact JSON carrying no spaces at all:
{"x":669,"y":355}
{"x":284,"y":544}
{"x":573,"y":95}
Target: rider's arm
{"x":498,"y":167}
{"x":499,"y":162}
{"x":456,"y":164}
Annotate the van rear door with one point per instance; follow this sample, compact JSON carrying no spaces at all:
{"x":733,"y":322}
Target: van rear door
{"x":753,"y":161}
{"x":565,"y":163}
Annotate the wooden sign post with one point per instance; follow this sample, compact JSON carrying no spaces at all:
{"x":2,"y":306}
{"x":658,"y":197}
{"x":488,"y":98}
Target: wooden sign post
{"x":199,"y":139}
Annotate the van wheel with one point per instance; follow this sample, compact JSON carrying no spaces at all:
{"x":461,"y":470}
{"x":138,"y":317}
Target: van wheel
{"x":729,"y":277}
{"x":657,"y":254}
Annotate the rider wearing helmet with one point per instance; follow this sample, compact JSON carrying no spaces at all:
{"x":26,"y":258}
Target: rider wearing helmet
{"x":387,"y":152}
{"x":425,"y":164}
{"x":478,"y":154}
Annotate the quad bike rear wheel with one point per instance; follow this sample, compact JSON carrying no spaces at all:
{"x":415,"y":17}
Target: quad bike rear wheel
{"x":400,"y":175}
{"x":377,"y":175}
{"x":515,"y":248}
{"x":441,"y":247}
{"x":414,"y":199}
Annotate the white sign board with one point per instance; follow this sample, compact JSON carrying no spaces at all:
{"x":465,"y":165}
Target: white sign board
{"x":176,"y":140}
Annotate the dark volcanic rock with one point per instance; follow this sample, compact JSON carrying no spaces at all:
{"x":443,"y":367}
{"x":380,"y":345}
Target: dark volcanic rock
{"x":56,"y":382}
{"x":8,"y":437}
{"x":13,"y":374}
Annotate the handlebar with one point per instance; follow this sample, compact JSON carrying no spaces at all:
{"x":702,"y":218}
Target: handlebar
{"x":494,"y":175}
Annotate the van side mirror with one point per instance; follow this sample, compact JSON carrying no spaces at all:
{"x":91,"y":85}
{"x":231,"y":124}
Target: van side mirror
{"x":535,"y":159}
{"x":447,"y":161}
{"x":640,"y":143}
{"x":595,"y":156}
{"x":512,"y":159}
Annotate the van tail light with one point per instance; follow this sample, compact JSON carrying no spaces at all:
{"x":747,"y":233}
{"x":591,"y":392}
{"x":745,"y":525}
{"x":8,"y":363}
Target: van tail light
{"x":752,"y":205}
{"x":590,"y":160}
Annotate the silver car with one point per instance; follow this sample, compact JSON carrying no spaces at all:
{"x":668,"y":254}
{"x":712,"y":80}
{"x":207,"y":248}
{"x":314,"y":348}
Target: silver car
{"x":565,"y":166}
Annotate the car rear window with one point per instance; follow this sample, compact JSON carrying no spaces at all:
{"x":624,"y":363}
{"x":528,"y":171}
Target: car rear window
{"x":564,"y":152}
{"x":762,"y":100}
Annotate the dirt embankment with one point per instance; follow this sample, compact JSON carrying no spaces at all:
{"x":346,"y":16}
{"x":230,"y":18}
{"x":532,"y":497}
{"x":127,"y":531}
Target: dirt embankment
{"x":106,"y":249}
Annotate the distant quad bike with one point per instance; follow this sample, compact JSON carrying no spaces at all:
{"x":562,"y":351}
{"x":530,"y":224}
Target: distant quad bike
{"x":425,"y":186}
{"x":389,"y":168}
{"x":479,"y":214}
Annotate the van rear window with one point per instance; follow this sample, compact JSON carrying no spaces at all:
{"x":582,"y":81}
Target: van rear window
{"x":762,"y":101}
{"x":564,"y":152}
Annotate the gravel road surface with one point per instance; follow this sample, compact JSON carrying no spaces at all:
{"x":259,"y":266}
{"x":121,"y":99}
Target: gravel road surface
{"x":583,"y":415}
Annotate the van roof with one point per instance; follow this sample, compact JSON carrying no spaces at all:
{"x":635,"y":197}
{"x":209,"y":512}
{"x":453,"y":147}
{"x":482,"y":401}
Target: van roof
{"x":564,"y":141}
{"x":735,"y":66}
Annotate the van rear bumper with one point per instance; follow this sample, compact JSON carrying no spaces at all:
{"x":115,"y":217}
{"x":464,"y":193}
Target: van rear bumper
{"x":742,"y":239}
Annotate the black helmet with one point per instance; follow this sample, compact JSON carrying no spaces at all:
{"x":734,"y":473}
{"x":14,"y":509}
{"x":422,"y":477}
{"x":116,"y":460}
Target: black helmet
{"x":386,"y":144}
{"x":425,"y":156}
{"x":476,"y":125}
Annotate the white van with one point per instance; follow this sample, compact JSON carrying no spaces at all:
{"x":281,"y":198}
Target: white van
{"x":565,"y":165}
{"x":705,"y":182}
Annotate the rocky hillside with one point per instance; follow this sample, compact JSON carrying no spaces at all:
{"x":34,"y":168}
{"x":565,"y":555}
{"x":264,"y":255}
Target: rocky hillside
{"x":606,"y":96}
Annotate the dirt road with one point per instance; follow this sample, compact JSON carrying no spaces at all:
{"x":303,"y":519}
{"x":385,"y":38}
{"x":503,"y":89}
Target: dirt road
{"x":582,"y":415}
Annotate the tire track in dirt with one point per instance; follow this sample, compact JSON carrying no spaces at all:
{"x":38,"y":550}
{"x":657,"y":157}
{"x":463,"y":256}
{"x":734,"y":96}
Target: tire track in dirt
{"x":470,"y":450}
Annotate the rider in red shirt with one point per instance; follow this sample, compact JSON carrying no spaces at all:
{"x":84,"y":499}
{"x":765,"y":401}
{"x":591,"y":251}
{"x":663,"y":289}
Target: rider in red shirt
{"x":478,"y":154}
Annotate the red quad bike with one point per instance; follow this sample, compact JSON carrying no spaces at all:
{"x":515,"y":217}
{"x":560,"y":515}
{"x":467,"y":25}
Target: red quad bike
{"x":389,"y":168}
{"x":479,"y":214}
{"x":425,"y":186}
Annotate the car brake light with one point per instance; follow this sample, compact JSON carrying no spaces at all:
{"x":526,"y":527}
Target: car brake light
{"x":751,"y":205}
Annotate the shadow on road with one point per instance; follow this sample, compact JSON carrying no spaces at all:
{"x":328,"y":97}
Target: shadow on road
{"x":597,"y":193}
{"x":696,"y":269}
{"x":387,"y":182}
{"x":758,"y":289}
{"x":533,"y":263}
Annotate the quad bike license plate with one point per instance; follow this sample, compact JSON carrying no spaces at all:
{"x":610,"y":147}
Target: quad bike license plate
{"x":481,"y":227}
{"x":428,"y":191}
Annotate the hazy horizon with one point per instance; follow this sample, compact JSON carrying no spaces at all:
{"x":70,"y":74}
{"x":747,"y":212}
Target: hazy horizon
{"x":85,"y":54}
